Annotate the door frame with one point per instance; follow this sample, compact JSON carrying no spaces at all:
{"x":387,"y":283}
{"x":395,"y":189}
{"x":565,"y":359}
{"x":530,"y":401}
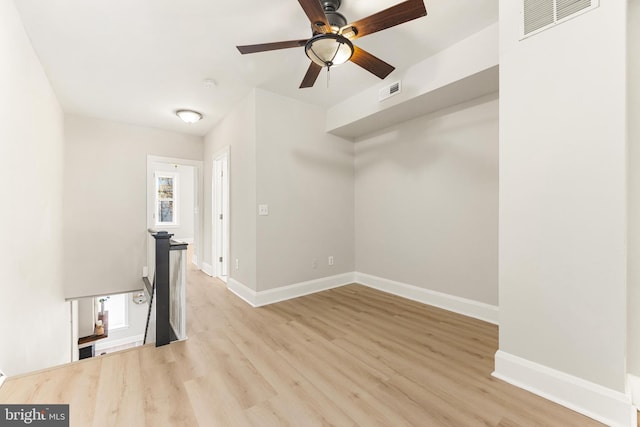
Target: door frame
{"x":198,"y":224}
{"x":220,"y":230}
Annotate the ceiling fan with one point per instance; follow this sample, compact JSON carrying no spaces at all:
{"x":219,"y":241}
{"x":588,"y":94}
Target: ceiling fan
{"x":330,"y":43}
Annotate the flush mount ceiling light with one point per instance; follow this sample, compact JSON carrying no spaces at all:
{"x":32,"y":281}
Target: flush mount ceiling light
{"x":189,"y":116}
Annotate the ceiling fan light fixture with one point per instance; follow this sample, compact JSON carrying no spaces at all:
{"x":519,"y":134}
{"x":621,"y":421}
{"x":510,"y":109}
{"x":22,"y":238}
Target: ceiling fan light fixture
{"x":329,"y":49}
{"x":330,"y":43}
{"x":189,"y":116}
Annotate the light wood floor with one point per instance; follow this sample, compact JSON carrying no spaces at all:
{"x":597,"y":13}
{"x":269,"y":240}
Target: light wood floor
{"x":346,"y":357}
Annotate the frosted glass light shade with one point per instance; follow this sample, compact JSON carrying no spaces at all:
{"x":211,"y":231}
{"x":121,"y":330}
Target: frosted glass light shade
{"x":328,"y":50}
{"x":189,"y":116}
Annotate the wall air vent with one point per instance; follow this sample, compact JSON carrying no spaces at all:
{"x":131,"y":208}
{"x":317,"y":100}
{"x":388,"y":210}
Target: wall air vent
{"x":389,"y":91}
{"x":538,"y":15}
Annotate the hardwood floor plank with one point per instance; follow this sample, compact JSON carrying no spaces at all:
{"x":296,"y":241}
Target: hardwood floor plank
{"x":342,"y":391}
{"x":165,"y":399}
{"x":293,"y":390}
{"x":211,"y":404}
{"x":121,"y":397}
{"x":350,"y":356}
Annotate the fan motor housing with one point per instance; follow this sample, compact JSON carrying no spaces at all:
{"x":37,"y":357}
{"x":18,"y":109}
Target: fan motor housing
{"x":335,"y":19}
{"x":331,"y":5}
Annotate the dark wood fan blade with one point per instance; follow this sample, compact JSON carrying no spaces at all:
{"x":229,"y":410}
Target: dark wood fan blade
{"x":253,"y":48}
{"x":370,"y":63}
{"x":312,"y":74}
{"x":316,"y":15}
{"x":395,"y":15}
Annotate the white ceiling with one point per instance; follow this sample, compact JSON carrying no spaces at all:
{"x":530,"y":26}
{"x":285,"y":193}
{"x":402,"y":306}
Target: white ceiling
{"x":137,"y":61}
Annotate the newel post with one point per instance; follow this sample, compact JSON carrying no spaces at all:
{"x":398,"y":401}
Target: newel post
{"x":163,"y":244}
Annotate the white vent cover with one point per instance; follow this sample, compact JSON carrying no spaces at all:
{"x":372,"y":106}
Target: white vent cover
{"x":389,"y":91}
{"x":538,"y":15}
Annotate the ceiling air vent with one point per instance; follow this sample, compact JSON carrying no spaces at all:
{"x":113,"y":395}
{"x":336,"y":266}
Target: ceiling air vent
{"x":389,"y":91}
{"x":538,"y":15}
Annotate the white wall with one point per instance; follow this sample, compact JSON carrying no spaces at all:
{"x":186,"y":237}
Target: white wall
{"x":31,"y":148}
{"x":86,"y":316}
{"x":633,"y":261}
{"x":426,"y":202}
{"x":237,"y":131}
{"x":105,"y":186}
{"x":280,"y":155}
{"x":186,"y":199}
{"x":305,"y":176}
{"x":563,"y":195}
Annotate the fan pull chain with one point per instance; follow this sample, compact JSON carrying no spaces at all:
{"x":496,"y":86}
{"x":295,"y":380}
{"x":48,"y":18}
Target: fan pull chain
{"x":328,"y":75}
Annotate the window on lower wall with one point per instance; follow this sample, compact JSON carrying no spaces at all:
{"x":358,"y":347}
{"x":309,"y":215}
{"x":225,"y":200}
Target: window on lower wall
{"x":166,"y":207}
{"x":118,"y":310}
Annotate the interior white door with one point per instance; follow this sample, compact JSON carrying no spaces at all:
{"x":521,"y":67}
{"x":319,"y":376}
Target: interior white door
{"x":220,"y":226}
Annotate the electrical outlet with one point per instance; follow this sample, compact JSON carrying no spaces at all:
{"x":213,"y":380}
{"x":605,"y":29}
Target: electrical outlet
{"x":263,"y":209}
{"x":237,"y":264}
{"x":330,"y":259}
{"x":314,"y":263}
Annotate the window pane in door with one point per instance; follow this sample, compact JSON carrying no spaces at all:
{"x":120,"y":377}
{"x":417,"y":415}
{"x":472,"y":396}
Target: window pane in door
{"x":165,"y":187}
{"x":165,"y":212}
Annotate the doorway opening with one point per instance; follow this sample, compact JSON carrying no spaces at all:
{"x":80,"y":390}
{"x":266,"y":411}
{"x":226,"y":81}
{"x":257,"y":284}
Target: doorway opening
{"x":220,"y":217}
{"x":174,"y":197}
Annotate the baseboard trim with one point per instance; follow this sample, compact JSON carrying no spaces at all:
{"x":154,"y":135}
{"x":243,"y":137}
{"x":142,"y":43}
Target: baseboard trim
{"x":194,"y":260}
{"x":271,"y":296}
{"x":242,"y":291}
{"x":2,"y":378}
{"x":477,"y":310}
{"x":100,"y":345}
{"x":634,"y":388}
{"x":595,"y":401}
{"x":207,"y":268}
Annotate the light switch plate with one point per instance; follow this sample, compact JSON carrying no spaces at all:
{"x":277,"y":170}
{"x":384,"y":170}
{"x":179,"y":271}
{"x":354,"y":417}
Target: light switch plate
{"x":263,"y":209}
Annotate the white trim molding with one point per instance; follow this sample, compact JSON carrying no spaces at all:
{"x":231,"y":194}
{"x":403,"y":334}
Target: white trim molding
{"x":593,"y":400}
{"x":207,"y":268}
{"x":187,"y":240}
{"x":242,"y":291}
{"x":467,"y":307}
{"x":105,"y":345}
{"x":634,"y":388}
{"x":2,"y":378}
{"x":271,"y":296}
